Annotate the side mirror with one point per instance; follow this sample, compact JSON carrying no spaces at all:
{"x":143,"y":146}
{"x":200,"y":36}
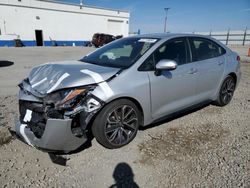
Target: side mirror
{"x":166,"y":64}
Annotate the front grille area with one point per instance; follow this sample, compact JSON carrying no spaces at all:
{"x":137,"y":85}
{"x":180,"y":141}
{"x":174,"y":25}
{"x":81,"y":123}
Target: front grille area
{"x":40,"y":114}
{"x":38,"y":120}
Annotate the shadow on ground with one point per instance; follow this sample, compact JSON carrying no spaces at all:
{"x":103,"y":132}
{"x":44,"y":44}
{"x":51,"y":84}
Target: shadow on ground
{"x":123,"y":176}
{"x":6,"y":63}
{"x":59,"y":158}
{"x":176,"y":115}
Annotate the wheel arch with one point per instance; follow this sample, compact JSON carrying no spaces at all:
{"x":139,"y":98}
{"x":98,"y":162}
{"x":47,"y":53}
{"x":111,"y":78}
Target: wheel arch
{"x":216,"y":100}
{"x":136,"y":102}
{"x":234,"y":76}
{"x":98,"y":129}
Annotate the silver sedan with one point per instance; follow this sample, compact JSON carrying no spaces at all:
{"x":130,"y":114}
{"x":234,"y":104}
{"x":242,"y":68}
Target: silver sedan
{"x":128,"y":83}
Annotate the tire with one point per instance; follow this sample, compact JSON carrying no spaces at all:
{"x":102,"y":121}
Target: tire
{"x":114,"y":130}
{"x":226,"y":91}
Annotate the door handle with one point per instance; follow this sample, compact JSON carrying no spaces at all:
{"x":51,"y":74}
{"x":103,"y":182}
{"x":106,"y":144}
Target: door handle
{"x":192,"y":71}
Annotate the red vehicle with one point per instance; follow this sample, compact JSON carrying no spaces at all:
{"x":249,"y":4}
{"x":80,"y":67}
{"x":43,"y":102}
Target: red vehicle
{"x":100,"y":39}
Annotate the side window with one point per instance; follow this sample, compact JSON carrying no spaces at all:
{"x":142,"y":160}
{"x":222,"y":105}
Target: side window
{"x":205,"y":49}
{"x":175,"y":49}
{"x":148,"y":64}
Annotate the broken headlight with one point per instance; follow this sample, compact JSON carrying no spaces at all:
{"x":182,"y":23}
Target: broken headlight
{"x":67,"y":98}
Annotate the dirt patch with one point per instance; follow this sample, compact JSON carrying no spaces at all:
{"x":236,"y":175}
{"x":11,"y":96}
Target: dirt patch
{"x":214,"y":110}
{"x":8,"y":114}
{"x":177,"y":143}
{"x":5,"y":136}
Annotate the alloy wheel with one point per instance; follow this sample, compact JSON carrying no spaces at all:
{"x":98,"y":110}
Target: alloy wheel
{"x":227,"y":90}
{"x":121,"y":125}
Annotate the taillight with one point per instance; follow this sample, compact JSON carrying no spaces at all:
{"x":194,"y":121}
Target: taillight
{"x":238,"y":58}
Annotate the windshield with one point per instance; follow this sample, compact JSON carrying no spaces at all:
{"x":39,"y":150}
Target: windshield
{"x":121,"y":53}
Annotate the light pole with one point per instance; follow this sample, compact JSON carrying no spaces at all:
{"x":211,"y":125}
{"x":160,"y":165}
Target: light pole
{"x":166,"y":18}
{"x":81,"y":4}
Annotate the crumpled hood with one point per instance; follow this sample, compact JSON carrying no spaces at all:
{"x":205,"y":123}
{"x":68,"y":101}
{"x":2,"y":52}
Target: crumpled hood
{"x":50,"y":77}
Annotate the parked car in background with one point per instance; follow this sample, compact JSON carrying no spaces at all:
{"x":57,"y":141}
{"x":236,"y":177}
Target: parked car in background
{"x":128,"y":83}
{"x":18,"y":43}
{"x":100,"y":39}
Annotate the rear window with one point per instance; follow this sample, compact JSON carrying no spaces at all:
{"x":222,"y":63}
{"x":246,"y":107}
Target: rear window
{"x":205,"y":49}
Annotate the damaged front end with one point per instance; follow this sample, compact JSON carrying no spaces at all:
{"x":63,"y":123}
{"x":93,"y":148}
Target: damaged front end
{"x":56,"y":121}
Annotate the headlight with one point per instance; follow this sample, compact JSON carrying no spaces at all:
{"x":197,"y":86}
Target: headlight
{"x":72,"y":94}
{"x":67,"y":98}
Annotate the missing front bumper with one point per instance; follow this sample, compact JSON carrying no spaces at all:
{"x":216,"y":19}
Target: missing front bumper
{"x":57,"y":136}
{"x":46,"y":127}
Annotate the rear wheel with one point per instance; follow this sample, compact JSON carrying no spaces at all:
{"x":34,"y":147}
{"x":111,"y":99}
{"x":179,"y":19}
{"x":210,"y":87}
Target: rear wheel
{"x":226,"y":91}
{"x":117,"y":123}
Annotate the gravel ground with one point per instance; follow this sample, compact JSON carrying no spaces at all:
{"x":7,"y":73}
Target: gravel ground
{"x":209,"y":147}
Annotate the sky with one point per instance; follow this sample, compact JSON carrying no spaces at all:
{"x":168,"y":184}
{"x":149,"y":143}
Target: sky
{"x":183,"y":16}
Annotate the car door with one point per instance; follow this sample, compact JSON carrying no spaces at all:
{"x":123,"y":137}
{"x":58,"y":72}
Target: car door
{"x":175,"y":89}
{"x":210,"y":65}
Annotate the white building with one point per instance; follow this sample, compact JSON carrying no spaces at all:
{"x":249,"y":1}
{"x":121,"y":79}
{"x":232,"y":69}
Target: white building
{"x":42,"y":22}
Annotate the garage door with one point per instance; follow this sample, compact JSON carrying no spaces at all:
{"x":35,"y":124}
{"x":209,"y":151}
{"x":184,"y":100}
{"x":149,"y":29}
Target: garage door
{"x":115,"y":27}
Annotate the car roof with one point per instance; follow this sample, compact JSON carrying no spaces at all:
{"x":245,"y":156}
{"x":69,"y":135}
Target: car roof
{"x":169,"y":35}
{"x":172,"y":35}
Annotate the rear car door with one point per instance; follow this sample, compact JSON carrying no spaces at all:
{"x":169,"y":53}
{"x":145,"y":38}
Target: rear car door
{"x":210,"y":61}
{"x":175,"y":89}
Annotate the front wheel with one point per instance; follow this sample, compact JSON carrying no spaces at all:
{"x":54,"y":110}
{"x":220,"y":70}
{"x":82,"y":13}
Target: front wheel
{"x":226,"y":91}
{"x":116,"y":124}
